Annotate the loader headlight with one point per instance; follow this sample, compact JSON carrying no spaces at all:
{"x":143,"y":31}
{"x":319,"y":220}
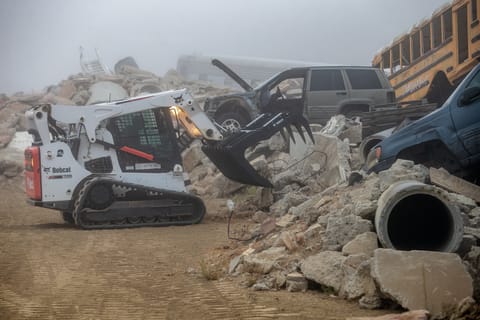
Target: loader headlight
{"x":373,"y":157}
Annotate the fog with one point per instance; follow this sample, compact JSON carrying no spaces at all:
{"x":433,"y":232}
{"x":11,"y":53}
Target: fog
{"x":40,"y":39}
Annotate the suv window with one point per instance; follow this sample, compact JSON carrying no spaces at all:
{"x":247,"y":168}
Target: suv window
{"x":363,"y":79}
{"x":326,"y":80}
{"x":290,"y":88}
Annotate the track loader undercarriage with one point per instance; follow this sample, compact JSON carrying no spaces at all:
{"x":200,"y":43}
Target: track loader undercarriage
{"x":118,"y":164}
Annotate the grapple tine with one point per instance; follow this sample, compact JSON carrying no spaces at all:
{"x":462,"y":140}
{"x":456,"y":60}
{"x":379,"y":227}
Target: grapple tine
{"x":284,"y":137}
{"x":290,"y":132}
{"x":300,"y":131}
{"x":305,"y":124}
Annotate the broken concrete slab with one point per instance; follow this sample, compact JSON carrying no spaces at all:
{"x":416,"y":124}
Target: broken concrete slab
{"x":325,"y":268}
{"x":328,"y":157}
{"x":285,"y":221}
{"x":357,"y":281}
{"x":402,"y":170}
{"x":370,"y":302}
{"x":193,"y":156}
{"x":421,"y":279}
{"x":263,"y":262}
{"x":473,"y":232}
{"x":296,"y":282}
{"x":364,"y":243}
{"x":289,"y":241}
{"x":442,"y":178}
{"x":342,"y":229}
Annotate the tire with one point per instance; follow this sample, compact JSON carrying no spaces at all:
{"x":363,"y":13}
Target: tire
{"x":231,"y":121}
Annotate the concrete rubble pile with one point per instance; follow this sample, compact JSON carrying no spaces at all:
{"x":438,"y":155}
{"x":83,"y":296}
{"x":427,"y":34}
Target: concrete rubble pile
{"x":81,"y":89}
{"x":317,"y":229}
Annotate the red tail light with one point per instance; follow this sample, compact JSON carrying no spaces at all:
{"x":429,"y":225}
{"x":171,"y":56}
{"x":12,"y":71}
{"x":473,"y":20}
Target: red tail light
{"x":33,"y":176}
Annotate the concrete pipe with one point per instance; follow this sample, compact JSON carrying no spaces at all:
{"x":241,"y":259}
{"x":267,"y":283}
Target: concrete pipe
{"x":414,"y":216}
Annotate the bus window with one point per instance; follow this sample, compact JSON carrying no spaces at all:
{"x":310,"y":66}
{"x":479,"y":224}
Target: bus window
{"x":426,"y":46}
{"x":405,"y":48}
{"x":437,"y":31}
{"x":386,"y":59}
{"x":416,"y":45}
{"x":474,"y":11}
{"x":396,"y":58}
{"x":447,"y":25}
{"x":462,"y":34}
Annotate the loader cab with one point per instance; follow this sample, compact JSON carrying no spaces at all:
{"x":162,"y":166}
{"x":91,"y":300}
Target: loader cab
{"x":151,"y":132}
{"x":284,"y":92}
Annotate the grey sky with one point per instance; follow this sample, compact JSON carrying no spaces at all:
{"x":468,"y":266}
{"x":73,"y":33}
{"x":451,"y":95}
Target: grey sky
{"x":40,"y":39}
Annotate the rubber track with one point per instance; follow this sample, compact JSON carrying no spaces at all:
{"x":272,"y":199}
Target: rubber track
{"x":184,"y":200}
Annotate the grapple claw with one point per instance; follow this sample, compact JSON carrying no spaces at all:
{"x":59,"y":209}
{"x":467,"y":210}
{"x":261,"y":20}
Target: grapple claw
{"x":229,"y":154}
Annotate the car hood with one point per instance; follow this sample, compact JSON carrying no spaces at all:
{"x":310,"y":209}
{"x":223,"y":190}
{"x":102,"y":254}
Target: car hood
{"x":242,"y":83}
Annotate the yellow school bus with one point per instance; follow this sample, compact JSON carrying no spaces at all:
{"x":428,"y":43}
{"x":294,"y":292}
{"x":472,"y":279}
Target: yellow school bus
{"x":433,"y":57}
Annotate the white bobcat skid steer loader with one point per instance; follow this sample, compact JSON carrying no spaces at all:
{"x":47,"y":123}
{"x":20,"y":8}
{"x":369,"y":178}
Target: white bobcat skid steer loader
{"x":118,"y":164}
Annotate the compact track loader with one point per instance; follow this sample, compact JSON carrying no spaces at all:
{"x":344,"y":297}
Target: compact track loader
{"x":118,"y":164}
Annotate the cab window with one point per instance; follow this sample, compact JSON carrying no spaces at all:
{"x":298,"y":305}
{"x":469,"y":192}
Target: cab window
{"x":326,"y":80}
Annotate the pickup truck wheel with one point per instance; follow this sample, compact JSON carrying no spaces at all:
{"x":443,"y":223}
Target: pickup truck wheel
{"x":231,"y":121}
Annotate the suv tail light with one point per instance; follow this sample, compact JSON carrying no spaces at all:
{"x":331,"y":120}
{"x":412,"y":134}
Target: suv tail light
{"x":390,"y":96}
{"x":33,"y":183}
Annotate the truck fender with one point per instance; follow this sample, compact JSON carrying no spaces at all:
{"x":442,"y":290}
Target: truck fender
{"x":425,"y":144}
{"x":441,"y":134}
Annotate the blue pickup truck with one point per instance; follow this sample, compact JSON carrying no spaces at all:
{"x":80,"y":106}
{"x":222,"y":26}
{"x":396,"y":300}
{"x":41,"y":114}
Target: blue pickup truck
{"x":449,"y":137}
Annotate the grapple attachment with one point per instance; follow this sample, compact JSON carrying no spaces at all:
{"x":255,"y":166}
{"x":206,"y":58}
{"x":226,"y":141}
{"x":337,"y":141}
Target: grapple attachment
{"x":229,"y":154}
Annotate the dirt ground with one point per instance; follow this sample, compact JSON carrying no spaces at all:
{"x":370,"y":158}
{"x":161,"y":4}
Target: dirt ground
{"x":49,"y":270}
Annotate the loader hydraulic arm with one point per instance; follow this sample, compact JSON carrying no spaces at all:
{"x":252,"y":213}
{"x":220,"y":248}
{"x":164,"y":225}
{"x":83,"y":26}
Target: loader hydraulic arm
{"x":49,"y":123}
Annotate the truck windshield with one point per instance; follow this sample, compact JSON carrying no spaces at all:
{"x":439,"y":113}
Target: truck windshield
{"x":264,"y":83}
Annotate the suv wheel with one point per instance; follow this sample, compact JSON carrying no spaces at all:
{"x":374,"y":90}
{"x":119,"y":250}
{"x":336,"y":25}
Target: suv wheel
{"x":231,"y":121}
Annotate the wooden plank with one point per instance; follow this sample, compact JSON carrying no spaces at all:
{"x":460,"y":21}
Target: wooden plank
{"x":442,"y":178}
